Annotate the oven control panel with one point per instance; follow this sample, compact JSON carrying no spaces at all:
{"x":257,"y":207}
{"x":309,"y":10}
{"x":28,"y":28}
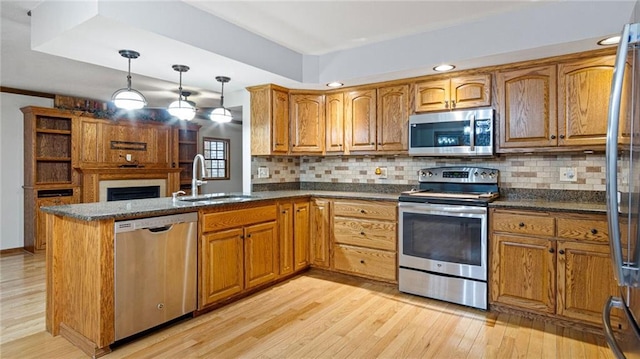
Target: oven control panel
{"x":458,"y":175}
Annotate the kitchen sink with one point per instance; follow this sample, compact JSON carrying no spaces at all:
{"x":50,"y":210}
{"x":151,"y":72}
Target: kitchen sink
{"x":217,"y":198}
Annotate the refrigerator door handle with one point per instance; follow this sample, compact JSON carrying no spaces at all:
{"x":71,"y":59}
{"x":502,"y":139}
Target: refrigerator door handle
{"x":608,"y":330}
{"x":612,"y":157}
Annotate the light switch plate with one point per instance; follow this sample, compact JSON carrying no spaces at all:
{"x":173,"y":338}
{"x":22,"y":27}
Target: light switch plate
{"x":263,"y":172}
{"x":568,"y":174}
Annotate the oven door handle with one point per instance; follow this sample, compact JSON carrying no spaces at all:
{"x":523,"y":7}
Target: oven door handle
{"x":472,"y":133}
{"x":427,"y":208}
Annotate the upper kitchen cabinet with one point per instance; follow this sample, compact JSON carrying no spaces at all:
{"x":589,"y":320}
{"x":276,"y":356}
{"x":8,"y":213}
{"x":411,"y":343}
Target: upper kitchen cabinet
{"x":393,"y":118}
{"x":527,"y":100}
{"x":334,"y":115}
{"x":455,"y":93}
{"x":269,"y":120}
{"x":376,"y":120}
{"x":584,"y":87}
{"x":307,"y":123}
{"x":527,"y":107}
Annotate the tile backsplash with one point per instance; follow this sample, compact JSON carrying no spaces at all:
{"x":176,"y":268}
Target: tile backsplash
{"x":516,"y":171}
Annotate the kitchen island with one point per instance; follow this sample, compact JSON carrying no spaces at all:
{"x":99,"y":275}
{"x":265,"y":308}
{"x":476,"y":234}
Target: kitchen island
{"x":80,"y":253}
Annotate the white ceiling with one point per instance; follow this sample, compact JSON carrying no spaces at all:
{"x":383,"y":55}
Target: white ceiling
{"x":72,"y":47}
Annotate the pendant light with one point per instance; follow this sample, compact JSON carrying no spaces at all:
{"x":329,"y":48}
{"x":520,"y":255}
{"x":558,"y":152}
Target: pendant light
{"x":181,"y":109}
{"x":128,"y":98}
{"x":221,"y":114}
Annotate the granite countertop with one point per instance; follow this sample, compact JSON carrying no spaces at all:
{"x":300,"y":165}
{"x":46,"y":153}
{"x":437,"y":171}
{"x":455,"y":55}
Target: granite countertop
{"x":550,"y":205}
{"x":120,"y":210}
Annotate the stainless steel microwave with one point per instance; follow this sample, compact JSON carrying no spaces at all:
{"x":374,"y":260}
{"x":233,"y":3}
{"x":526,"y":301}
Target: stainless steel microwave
{"x":453,"y":133}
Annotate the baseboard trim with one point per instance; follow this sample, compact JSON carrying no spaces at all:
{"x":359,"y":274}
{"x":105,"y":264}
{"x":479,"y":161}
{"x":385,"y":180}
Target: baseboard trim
{"x":13,"y":252}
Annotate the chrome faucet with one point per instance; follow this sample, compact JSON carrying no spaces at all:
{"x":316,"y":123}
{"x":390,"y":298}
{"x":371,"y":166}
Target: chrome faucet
{"x":195,"y":182}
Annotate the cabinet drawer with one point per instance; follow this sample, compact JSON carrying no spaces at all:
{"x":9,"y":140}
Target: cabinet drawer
{"x":523,"y":223}
{"x":584,"y":229}
{"x":236,"y":218}
{"x":360,"y":232}
{"x":363,"y":209}
{"x":364,"y":261}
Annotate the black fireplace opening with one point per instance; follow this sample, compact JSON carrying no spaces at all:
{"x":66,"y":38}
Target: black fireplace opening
{"x":127,"y":193}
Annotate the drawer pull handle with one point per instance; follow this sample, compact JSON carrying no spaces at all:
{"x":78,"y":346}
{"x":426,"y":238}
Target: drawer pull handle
{"x":362,"y":261}
{"x":561,"y":252}
{"x":551,"y":250}
{"x":594,"y":231}
{"x":521,"y":224}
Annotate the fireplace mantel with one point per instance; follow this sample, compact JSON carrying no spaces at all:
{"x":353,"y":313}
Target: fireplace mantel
{"x":91,"y":178}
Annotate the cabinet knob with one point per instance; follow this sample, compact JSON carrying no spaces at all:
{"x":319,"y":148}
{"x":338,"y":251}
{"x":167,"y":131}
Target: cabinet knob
{"x":248,"y":236}
{"x":561,"y":136}
{"x":340,"y":144}
{"x":553,"y":137}
{"x":379,"y":143}
{"x":551,"y":250}
{"x":362,"y":233}
{"x":362,"y":261}
{"x":373,"y":143}
{"x":521,"y":224}
{"x":283,"y":212}
{"x":561,"y":251}
{"x":293,"y":144}
{"x":594,"y":231}
{"x":363,"y":211}
{"x":446,"y":104}
{"x":453,"y":103}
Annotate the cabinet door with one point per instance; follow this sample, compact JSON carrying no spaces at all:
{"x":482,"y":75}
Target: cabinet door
{"x":527,"y":107}
{"x":532,"y":286}
{"x":393,"y":118}
{"x":471,"y":91}
{"x":433,"y":95}
{"x":280,"y":121}
{"x":222,"y":266}
{"x":307,"y":123}
{"x":334,"y":113}
{"x":360,"y":117}
{"x":285,"y":234}
{"x":583,"y":101}
{"x":320,"y":233}
{"x":260,"y":253}
{"x":585,"y":280}
{"x":301,"y":235}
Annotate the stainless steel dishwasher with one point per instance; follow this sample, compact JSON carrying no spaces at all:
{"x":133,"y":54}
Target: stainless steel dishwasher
{"x":155,"y":271}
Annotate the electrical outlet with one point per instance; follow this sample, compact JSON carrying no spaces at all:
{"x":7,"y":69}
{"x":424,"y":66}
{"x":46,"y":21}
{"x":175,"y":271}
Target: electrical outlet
{"x":568,"y":174}
{"x":263,"y":172}
{"x":381,"y":172}
{"x":128,"y":157}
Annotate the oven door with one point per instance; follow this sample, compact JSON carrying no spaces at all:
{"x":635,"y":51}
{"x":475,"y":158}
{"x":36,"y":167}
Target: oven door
{"x":444,"y":239}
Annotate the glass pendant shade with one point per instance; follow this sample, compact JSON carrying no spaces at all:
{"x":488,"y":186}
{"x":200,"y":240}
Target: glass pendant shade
{"x":128,"y":98}
{"x":221,"y":115}
{"x":182,"y":110}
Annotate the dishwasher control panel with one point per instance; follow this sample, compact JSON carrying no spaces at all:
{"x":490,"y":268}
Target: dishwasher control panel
{"x":154,"y":222}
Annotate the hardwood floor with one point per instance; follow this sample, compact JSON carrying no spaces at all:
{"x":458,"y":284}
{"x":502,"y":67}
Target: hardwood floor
{"x":316,"y":315}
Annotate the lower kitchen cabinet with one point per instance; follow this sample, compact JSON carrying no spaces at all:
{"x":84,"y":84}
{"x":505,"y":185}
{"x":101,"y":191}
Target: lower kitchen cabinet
{"x":239,"y":250}
{"x":365,"y":239}
{"x":293,"y":233}
{"x":320,"y":235}
{"x":555,"y":264}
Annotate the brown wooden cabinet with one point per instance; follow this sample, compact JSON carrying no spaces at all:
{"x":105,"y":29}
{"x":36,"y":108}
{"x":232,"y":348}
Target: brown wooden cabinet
{"x":49,"y":175}
{"x":301,"y":235}
{"x":269,"y":120}
{"x":365,"y":239}
{"x":377,"y":119}
{"x":455,"y":93}
{"x":285,"y":235}
{"x":528,"y":98}
{"x":563,"y":262}
{"x":239,"y":251}
{"x":307,"y":123}
{"x":320,"y":233}
{"x":334,"y":115}
{"x":186,"y":136}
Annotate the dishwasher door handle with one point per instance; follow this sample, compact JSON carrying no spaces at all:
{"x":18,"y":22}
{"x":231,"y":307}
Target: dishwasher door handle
{"x":160,"y":230}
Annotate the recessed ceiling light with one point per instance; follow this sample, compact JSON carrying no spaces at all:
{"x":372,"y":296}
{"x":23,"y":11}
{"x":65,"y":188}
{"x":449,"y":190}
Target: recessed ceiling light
{"x":335,"y":84}
{"x":444,"y":67}
{"x":609,"y":41}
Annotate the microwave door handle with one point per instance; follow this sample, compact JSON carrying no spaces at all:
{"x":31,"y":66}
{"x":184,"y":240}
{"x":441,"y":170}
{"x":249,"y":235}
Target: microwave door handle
{"x":472,"y":134}
{"x":611,"y":156}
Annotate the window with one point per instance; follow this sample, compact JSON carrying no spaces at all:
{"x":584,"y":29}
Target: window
{"x":216,"y":158}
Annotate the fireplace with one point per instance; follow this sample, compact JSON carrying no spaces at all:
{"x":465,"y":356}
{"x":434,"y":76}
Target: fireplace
{"x":118,"y":190}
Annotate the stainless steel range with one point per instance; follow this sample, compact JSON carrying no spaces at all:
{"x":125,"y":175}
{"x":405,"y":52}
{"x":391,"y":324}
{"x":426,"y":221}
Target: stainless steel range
{"x":443,"y":234}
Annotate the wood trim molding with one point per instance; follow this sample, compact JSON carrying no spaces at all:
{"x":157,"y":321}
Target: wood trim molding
{"x":27,"y":92}
{"x":11,"y":252}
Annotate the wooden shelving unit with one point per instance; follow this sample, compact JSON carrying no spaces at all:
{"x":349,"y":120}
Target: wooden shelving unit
{"x":187,"y":149}
{"x":49,"y":177}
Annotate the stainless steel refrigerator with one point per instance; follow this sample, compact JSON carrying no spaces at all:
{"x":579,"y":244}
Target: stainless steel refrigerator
{"x":623,"y":195}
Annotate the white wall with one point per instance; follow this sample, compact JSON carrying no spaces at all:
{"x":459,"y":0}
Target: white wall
{"x":11,"y":168}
